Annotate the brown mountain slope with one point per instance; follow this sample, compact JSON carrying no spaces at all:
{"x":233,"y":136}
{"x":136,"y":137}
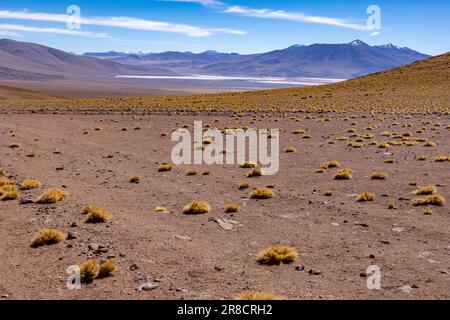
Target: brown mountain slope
{"x":420,"y":87}
{"x":13,"y":93}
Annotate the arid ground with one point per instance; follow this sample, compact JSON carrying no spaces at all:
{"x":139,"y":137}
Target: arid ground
{"x":192,"y":256}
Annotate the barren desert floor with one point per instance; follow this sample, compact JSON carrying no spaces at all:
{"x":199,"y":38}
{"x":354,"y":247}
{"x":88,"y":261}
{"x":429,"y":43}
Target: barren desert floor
{"x":192,"y":256}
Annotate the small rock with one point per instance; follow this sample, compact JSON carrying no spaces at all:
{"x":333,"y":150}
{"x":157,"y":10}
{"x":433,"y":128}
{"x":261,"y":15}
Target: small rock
{"x":300,"y":267}
{"x":134,"y":267}
{"x":93,"y":246}
{"x":405,"y":289}
{"x":71,"y":236}
{"x":26,"y":201}
{"x":399,"y":229}
{"x":313,"y":272}
{"x":425,"y":254}
{"x":182,"y":237}
{"x":371,"y":256}
{"x":74,"y":225}
{"x":147,"y":286}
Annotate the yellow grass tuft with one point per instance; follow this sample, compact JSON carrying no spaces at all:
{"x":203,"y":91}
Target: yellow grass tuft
{"x":233,"y":207}
{"x":89,"y":270}
{"x":47,"y":237}
{"x":345,"y":174}
{"x":107,"y":268}
{"x":161,"y":210}
{"x":433,"y":200}
{"x":290,"y":150}
{"x":262,"y":193}
{"x":365,"y":196}
{"x":165,"y":167}
{"x":244,"y":185}
{"x":428,"y":190}
{"x":2,"y":171}
{"x":257,"y":296}
{"x":135,"y":179}
{"x":52,"y":196}
{"x":257,"y":172}
{"x":379,"y":176}
{"x":95,"y":214}
{"x":328,"y":193}
{"x":191,"y":172}
{"x":330,"y":164}
{"x":29,"y":184}
{"x":5,"y":182}
{"x":197,"y":207}
{"x":9,"y":195}
{"x":428,"y":211}
{"x":277,"y":255}
{"x":14,"y":145}
{"x":247,"y":165}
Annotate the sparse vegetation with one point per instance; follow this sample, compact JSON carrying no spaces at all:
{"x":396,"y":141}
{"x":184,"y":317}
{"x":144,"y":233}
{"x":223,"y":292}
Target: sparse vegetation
{"x":425,"y":191}
{"x":433,"y":200}
{"x":257,"y":296}
{"x":277,"y":255}
{"x":262,"y":193}
{"x":29,"y":184}
{"x":379,"y":176}
{"x":135,"y":179}
{"x":257,"y":172}
{"x":233,"y":207}
{"x":244,"y":185}
{"x":197,"y":207}
{"x":365,"y":196}
{"x":95,"y":214}
{"x":52,"y":195}
{"x":165,"y":167}
{"x":345,"y":174}
{"x":47,"y":237}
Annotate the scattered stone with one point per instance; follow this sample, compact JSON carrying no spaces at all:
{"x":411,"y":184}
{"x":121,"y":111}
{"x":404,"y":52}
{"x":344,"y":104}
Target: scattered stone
{"x":313,"y":272}
{"x":300,"y":267}
{"x":187,"y":238}
{"x":405,"y":289}
{"x":226,"y":224}
{"x":134,"y":267}
{"x":26,"y":201}
{"x":147,"y":286}
{"x":425,"y":254}
{"x":71,"y":236}
{"x":398,"y":229}
{"x":74,"y":225}
{"x":371,"y":256}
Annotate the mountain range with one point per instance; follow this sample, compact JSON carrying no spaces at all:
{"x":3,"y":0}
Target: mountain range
{"x":29,"y":61}
{"x":341,"y":61}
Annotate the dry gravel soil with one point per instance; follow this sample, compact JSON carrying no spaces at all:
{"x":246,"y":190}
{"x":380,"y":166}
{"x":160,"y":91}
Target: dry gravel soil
{"x":191,"y":256}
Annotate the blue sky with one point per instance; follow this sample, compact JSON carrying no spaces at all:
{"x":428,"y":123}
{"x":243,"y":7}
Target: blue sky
{"x":225,"y":25}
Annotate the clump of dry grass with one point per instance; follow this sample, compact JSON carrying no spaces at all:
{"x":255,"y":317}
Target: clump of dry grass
{"x":430,"y":144}
{"x":5,"y":182}
{"x":135,"y":179}
{"x":392,"y":205}
{"x":428,"y":190}
{"x":197,"y":207}
{"x":89,"y":270}
{"x":47,"y":237}
{"x":96,"y":214}
{"x":257,"y":296}
{"x":107,"y":268}
{"x":413,"y":183}
{"x":206,"y":173}
{"x":328,"y":193}
{"x":57,"y":151}
{"x":15,"y":145}
{"x":422,"y":158}
{"x":233,"y":207}
{"x":345,"y":174}
{"x":441,"y":159}
{"x":428,"y":211}
{"x":257,"y":172}
{"x":2,"y":171}
{"x":161,"y":210}
{"x":191,"y":172}
{"x":244,"y":185}
{"x":330,"y":164}
{"x":290,"y":150}
{"x":9,"y":195}
{"x":165,"y":167}
{"x":277,"y":255}
{"x":261,"y":194}
{"x":109,"y":155}
{"x":29,"y":184}
{"x":31,"y":154}
{"x":433,"y":200}
{"x":379,"y":176}
{"x":247,"y":165}
{"x":365,"y":196}
{"x":52,"y":195}
{"x":389,"y":161}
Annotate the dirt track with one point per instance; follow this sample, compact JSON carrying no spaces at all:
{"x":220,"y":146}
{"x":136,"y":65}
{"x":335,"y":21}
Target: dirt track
{"x":334,"y":235}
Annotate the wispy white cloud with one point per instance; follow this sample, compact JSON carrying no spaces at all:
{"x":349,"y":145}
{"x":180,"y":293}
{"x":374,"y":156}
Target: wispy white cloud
{"x":120,"y":22}
{"x":5,"y":33}
{"x":206,"y":3}
{"x":7,"y":28}
{"x":293,"y":16}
